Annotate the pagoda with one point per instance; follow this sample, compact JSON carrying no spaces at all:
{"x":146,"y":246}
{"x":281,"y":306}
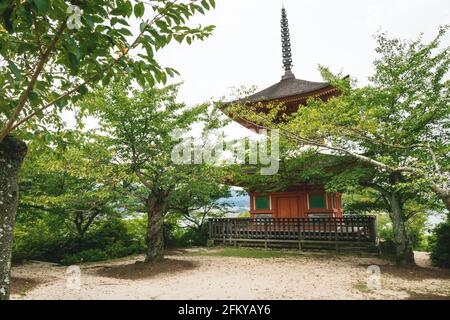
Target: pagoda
{"x":306,"y":199}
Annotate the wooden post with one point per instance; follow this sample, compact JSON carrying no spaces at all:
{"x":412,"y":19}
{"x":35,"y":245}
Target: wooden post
{"x":235,"y":232}
{"x":210,"y":234}
{"x":336,"y":233}
{"x":229,"y":234}
{"x":225,"y":225}
{"x":265,"y":234}
{"x":373,"y":230}
{"x":299,"y":234}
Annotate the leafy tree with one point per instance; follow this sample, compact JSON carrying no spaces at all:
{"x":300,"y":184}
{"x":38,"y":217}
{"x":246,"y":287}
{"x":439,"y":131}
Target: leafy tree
{"x":405,"y":203}
{"x":48,"y":61}
{"x":141,"y":125}
{"x":415,"y":209}
{"x":74,"y":180}
{"x":397,"y":125}
{"x":440,"y":245}
{"x":296,"y":166}
{"x":200,"y":197}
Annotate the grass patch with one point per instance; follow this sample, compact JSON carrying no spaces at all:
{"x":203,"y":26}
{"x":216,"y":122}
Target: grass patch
{"x":361,"y":286}
{"x":245,"y":253}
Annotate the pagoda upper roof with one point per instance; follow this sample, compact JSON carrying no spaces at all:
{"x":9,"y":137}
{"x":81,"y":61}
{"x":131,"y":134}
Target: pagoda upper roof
{"x":284,"y":89}
{"x":289,"y":91}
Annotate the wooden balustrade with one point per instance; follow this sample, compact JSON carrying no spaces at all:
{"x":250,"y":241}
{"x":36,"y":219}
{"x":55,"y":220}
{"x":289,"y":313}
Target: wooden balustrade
{"x":345,"y":229}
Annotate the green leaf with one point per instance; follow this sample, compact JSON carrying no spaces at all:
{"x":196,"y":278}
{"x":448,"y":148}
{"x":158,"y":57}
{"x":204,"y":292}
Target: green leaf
{"x":128,"y":8}
{"x":41,"y":6}
{"x":118,"y":12}
{"x":7,"y":16}
{"x":14,"y":70}
{"x":162,"y":25}
{"x":125,"y":32}
{"x":115,"y":20}
{"x":73,"y":60}
{"x":34,"y":98}
{"x":142,"y":26}
{"x":139,"y":10}
{"x":199,"y":9}
{"x":178,"y":38}
{"x":205,"y":4}
{"x":47,"y":137}
{"x":149,"y":50}
{"x":83,"y":90}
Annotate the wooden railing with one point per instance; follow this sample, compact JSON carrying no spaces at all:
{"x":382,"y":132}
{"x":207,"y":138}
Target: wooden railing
{"x":348,"y":228}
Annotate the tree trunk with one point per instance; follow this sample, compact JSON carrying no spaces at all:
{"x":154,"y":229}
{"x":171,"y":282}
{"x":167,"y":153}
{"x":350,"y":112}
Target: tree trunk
{"x":403,"y":250}
{"x":12,"y":152}
{"x":155,"y":231}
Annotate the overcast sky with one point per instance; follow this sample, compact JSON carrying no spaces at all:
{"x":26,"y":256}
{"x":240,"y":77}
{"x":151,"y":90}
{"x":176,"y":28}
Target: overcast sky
{"x":245,"y":49}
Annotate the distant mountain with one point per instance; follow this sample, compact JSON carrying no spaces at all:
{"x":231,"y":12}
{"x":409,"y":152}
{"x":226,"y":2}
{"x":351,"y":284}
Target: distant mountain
{"x":240,"y":202}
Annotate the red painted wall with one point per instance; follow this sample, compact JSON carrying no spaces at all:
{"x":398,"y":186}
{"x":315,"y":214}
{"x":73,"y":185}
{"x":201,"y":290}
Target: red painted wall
{"x":295,"y":204}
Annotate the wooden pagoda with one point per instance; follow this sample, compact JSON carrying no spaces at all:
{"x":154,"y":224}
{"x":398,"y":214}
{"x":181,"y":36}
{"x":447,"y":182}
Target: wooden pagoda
{"x":307,"y":200}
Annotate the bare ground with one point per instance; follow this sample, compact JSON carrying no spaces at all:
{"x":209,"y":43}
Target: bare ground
{"x":189,"y":276}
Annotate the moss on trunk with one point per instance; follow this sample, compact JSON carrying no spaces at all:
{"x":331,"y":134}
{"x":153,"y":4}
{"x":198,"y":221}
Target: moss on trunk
{"x":12,"y":153}
{"x":155,"y":231}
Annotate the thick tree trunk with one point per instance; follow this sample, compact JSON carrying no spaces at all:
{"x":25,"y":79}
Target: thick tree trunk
{"x":12,"y":152}
{"x":403,"y":249}
{"x":155,"y":231}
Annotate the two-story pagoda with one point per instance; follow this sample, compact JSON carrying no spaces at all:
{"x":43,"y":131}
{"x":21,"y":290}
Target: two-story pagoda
{"x":308,"y":199}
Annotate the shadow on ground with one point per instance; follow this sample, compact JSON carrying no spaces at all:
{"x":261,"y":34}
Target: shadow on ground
{"x":426,"y":296}
{"x":22,"y":285}
{"x":413,"y":272}
{"x":141,"y":270}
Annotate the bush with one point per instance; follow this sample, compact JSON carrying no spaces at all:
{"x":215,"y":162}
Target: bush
{"x":414,"y":228}
{"x":170,"y":229}
{"x":108,"y":239}
{"x":85,"y":256}
{"x":192,"y":237}
{"x":440,"y":245}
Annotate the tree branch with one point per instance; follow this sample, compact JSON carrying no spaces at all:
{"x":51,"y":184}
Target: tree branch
{"x":11,"y":126}
{"x":24,"y":97}
{"x":141,"y":177}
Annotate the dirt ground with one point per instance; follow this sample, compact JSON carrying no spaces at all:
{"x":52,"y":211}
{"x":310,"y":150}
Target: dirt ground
{"x":186,"y":275}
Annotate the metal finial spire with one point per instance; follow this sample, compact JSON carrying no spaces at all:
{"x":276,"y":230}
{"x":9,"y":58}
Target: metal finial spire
{"x":286,"y":46}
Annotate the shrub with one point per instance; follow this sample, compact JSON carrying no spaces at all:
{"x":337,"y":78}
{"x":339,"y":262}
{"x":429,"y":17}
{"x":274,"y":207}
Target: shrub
{"x":170,"y":230}
{"x":112,"y":238}
{"x":415,"y":228}
{"x":192,"y":237}
{"x":85,"y":256}
{"x":440,"y":245}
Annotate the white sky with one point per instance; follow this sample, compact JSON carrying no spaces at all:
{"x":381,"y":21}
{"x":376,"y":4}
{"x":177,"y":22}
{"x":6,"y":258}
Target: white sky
{"x":245,"y":48}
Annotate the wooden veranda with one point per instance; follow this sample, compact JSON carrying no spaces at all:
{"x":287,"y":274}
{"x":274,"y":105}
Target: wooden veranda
{"x":347,"y":231}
